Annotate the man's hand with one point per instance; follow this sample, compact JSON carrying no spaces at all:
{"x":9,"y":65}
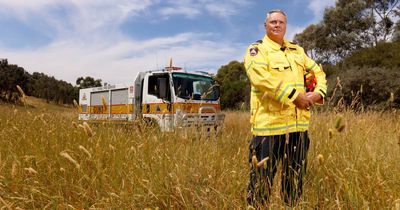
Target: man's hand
{"x":315,"y":97}
{"x":302,"y":101}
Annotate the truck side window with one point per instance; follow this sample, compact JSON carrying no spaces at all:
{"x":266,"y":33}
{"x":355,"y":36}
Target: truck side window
{"x":153,"y":88}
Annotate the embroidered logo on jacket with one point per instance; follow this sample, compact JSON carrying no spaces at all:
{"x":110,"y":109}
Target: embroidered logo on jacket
{"x":253,"y":51}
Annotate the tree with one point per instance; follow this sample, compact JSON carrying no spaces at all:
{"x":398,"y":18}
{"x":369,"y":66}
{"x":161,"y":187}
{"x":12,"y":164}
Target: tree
{"x":38,"y":85}
{"x":349,"y":26}
{"x":312,"y":39}
{"x":383,"y":55}
{"x":11,"y":76}
{"x":87,"y":82}
{"x":52,"y":89}
{"x":234,"y":84}
{"x":396,"y":33}
{"x":344,"y":27}
{"x":382,"y":13}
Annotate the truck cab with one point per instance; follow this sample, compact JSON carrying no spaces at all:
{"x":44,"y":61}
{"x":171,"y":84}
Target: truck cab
{"x":178,"y":99}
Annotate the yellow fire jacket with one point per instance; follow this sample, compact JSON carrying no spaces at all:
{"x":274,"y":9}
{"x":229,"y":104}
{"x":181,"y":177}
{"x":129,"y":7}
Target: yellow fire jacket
{"x":277,"y":74}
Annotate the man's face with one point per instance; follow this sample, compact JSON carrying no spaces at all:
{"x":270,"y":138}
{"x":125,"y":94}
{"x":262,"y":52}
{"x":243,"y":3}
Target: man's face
{"x":275,"y":26}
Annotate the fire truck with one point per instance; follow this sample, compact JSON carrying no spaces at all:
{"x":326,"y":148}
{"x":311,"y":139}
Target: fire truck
{"x":170,"y":98}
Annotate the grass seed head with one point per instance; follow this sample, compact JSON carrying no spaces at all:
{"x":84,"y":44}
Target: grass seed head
{"x":320,"y":159}
{"x":112,"y":148}
{"x":331,"y":133}
{"x":84,"y":150}
{"x":14,"y":170}
{"x":74,"y":124}
{"x":287,"y":137}
{"x":391,"y":98}
{"x":339,"y":121}
{"x":263,"y":163}
{"x":264,"y":96}
{"x":70,"y":159}
{"x":278,"y":86}
{"x":341,"y":128}
{"x":339,"y":124}
{"x":31,"y":171}
{"x":396,"y":204}
{"x":76,"y":106}
{"x":104,"y":102}
{"x":21,"y":92}
{"x":254,"y":161}
{"x":88,"y":130}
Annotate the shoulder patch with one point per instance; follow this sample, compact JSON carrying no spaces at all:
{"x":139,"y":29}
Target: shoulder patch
{"x":253,"y":51}
{"x":259,"y":41}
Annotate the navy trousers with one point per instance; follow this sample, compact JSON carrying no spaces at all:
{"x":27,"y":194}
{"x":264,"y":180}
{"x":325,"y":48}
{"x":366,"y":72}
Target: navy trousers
{"x":290,"y":149}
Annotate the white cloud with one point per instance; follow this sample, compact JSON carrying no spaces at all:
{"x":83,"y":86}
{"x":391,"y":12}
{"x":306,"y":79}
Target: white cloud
{"x":292,"y":30}
{"x":120,"y":62}
{"x":180,"y":10}
{"x":225,"y":8}
{"x":220,"y":9}
{"x":193,"y":8}
{"x":86,"y":19}
{"x":318,"y":7}
{"x":86,"y":38}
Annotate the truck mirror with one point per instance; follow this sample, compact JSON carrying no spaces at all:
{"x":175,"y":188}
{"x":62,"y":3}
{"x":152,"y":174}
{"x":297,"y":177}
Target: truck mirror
{"x":162,"y":87}
{"x":217,"y":91}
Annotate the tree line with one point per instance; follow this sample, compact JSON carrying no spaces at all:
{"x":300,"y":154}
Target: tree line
{"x":358,"y":44}
{"x":39,"y":85}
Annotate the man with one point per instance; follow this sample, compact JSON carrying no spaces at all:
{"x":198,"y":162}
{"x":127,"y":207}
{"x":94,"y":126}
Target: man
{"x":280,"y":111}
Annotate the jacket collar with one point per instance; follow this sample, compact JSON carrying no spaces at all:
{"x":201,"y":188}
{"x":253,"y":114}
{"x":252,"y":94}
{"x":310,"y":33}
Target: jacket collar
{"x":274,"y":45}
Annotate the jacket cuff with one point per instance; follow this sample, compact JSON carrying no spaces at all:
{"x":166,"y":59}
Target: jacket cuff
{"x":323,"y":96}
{"x":291,"y":96}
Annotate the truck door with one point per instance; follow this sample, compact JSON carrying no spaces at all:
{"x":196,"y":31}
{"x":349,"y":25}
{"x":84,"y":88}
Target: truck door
{"x":157,"y":100}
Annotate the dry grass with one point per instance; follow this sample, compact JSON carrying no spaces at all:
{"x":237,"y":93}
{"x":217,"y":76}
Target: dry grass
{"x":48,"y":162}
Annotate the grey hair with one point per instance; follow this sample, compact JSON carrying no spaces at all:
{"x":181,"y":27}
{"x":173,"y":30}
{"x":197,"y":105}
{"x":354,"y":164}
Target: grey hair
{"x":274,"y":11}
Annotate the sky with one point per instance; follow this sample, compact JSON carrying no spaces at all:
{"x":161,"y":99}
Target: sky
{"x":114,"y":40}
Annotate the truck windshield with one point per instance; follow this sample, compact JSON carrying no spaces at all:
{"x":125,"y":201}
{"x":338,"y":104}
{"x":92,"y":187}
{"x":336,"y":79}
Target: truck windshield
{"x":196,"y":87}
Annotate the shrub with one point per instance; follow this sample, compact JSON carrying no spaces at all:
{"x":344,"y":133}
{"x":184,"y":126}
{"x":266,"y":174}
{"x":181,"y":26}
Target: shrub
{"x":367,"y":86}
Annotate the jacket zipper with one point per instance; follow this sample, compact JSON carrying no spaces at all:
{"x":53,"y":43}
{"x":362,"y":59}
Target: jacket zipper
{"x":295,"y":108}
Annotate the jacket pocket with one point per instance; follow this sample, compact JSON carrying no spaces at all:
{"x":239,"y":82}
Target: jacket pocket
{"x":280,"y":67}
{"x":278,"y":62}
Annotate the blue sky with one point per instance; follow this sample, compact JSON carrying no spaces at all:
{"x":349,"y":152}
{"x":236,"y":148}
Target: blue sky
{"x":113,"y":40}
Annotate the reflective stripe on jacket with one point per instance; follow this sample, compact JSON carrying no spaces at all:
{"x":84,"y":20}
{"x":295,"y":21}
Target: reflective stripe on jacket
{"x":277,"y":77}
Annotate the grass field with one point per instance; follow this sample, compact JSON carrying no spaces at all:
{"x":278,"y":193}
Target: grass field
{"x":49,"y":161}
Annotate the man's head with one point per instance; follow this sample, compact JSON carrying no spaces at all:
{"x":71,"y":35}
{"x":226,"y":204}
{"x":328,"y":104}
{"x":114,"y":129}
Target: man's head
{"x":275,"y":25}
